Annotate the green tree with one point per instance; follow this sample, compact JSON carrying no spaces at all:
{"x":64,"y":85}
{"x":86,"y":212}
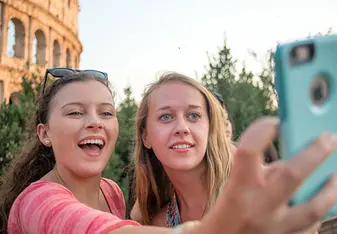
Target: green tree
{"x":126,"y":118}
{"x":221,"y":72}
{"x":246,"y":96}
{"x":14,"y":125}
{"x":117,"y":167}
{"x":113,"y":170}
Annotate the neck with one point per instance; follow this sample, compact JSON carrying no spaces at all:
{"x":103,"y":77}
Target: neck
{"x":191,"y":192}
{"x":86,"y":190}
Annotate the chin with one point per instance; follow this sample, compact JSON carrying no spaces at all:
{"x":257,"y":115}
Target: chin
{"x":186,"y":167}
{"x":87,"y":171}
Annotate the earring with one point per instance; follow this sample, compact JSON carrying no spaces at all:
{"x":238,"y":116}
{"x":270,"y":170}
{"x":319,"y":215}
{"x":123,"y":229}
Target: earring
{"x":47,"y":142}
{"x":147,"y":145}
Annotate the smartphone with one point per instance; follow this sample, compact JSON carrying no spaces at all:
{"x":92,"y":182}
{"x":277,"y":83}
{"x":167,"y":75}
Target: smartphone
{"x":306,"y":82}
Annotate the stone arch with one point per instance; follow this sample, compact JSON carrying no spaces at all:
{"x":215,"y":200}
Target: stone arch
{"x":14,"y":98}
{"x":16,"y":38}
{"x":68,"y":58}
{"x":39,"y":48}
{"x":56,"y":54}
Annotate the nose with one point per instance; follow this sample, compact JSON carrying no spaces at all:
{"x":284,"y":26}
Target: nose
{"x":94,"y":123}
{"x":181,"y":127}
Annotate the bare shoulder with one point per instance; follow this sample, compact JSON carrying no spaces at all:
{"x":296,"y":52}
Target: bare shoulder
{"x":159,"y":219}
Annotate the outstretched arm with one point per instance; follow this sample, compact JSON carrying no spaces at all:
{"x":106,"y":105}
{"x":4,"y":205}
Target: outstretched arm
{"x":46,"y":207}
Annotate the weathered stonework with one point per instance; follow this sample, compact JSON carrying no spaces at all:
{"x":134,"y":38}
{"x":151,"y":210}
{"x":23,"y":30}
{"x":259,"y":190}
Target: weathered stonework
{"x":53,"y":24}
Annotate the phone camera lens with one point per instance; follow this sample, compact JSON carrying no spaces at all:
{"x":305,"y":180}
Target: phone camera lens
{"x":302,"y":54}
{"x":319,"y":90}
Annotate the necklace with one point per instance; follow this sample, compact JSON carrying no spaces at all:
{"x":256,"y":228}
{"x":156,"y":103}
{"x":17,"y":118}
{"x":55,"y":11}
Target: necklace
{"x":173,"y":218}
{"x":60,"y":178}
{"x":64,"y":184}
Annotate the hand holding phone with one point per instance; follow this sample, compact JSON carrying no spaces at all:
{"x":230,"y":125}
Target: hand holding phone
{"x":306,"y":83}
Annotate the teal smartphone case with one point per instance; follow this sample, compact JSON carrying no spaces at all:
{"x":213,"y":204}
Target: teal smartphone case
{"x":306,"y":82}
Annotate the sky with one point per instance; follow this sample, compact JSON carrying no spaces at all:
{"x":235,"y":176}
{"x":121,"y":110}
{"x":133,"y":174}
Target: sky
{"x":136,"y":40}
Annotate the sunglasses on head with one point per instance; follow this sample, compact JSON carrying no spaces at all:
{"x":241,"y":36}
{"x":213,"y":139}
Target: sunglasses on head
{"x":61,"y":72}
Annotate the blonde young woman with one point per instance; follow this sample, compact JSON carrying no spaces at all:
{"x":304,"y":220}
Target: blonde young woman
{"x":181,"y":152}
{"x":135,"y":210}
{"x":182,"y":156}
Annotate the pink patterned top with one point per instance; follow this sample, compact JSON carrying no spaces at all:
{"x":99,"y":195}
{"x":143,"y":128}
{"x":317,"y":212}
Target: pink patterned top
{"x":48,"y":207}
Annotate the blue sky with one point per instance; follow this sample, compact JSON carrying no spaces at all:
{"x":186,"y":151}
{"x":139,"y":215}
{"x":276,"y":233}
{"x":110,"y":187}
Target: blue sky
{"x":135,"y":40}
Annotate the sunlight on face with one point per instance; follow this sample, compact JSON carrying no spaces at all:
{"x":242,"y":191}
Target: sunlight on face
{"x":177,"y":126}
{"x":82,"y":127}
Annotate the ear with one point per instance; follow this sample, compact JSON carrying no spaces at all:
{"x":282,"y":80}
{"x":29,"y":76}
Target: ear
{"x":145,"y":140}
{"x":42,"y":133}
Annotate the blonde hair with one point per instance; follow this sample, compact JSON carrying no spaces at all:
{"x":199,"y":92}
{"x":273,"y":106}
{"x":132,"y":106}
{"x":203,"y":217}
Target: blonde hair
{"x":153,"y":187}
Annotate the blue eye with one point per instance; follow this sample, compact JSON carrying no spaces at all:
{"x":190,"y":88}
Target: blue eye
{"x":194,"y":116}
{"x":165,"y":117}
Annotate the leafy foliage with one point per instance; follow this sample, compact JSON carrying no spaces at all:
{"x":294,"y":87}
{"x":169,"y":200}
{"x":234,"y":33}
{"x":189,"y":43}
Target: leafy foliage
{"x":14,"y":119}
{"x":117,"y":167}
{"x":246,"y":96}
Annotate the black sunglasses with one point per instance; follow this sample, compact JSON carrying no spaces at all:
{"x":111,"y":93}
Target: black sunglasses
{"x":61,"y":72}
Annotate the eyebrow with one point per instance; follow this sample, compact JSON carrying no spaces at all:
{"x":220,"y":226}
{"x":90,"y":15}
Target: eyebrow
{"x":169,"y":107}
{"x":81,"y":104}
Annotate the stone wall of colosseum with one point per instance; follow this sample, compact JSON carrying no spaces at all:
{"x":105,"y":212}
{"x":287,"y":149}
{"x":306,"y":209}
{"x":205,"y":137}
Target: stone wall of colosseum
{"x":45,"y":35}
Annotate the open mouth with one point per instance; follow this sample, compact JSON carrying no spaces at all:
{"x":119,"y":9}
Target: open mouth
{"x":93,"y":145}
{"x":182,"y":146}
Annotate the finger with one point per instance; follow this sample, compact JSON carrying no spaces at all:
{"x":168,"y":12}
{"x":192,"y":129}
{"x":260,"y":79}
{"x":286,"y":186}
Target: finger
{"x":304,"y":215}
{"x":291,"y":173}
{"x":252,"y":145}
{"x":308,"y":160}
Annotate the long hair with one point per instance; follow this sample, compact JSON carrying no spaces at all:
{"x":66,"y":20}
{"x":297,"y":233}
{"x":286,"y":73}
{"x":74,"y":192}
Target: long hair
{"x":34,"y":160}
{"x":153,"y":187}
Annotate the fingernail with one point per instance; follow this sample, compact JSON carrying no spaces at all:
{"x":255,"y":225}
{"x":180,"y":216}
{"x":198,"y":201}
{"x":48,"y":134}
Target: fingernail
{"x":328,"y":142}
{"x":332,"y":138}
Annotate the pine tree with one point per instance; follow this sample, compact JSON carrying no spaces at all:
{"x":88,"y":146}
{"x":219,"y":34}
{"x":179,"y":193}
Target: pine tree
{"x":245,"y":95}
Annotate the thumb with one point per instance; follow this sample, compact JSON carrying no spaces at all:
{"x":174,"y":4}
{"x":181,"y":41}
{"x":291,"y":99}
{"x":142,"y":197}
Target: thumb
{"x":251,"y":147}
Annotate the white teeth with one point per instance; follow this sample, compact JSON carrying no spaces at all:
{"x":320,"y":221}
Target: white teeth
{"x":182,"y":146}
{"x":91,"y":141}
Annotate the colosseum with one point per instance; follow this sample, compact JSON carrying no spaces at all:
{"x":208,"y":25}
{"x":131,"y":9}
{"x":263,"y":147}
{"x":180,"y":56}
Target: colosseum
{"x":34,"y":35}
